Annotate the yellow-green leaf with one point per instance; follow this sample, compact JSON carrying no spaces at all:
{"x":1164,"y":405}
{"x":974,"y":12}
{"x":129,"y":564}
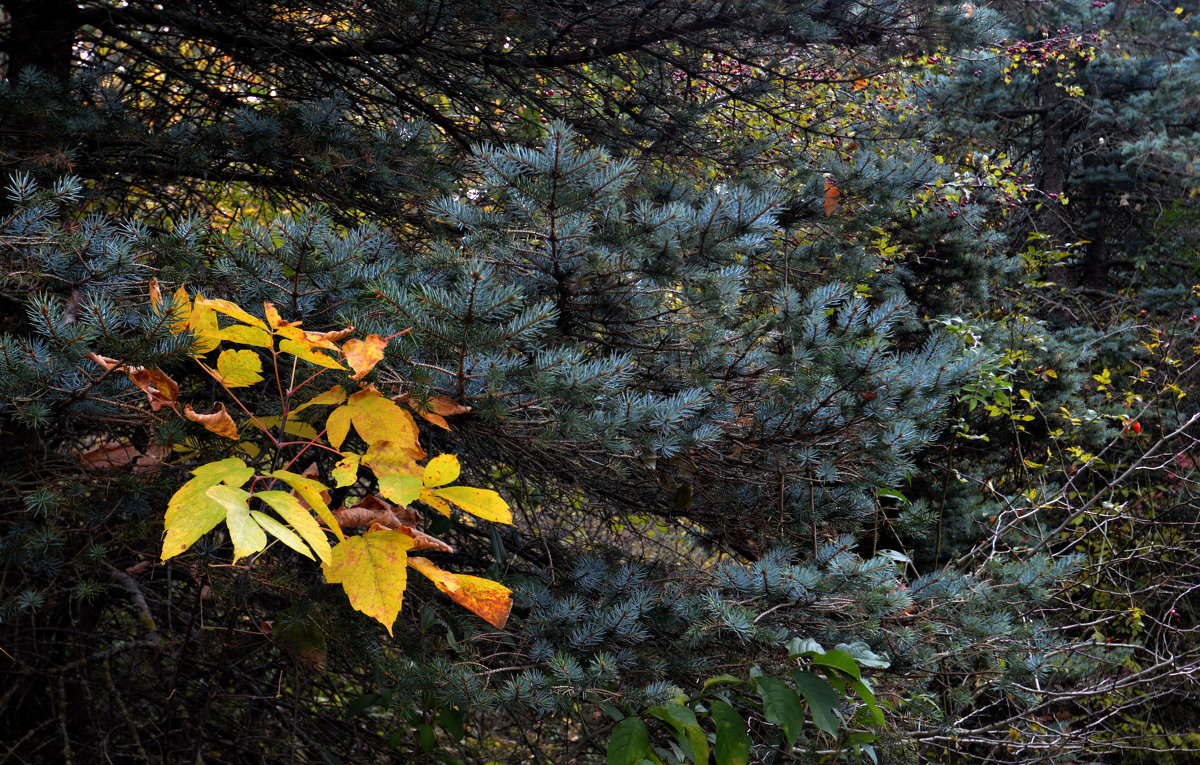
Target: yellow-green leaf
{"x":290,"y":509}
{"x":346,"y":471}
{"x":490,"y":600}
{"x":230,"y":470}
{"x":231,"y":309}
{"x":401,"y":489}
{"x":308,"y":353}
{"x":372,"y":570}
{"x":239,"y":369}
{"x":441,"y":470}
{"x":240,"y":333}
{"x":334,"y":395}
{"x":282,"y":533}
{"x":247,"y":536}
{"x":311,"y":491}
{"x":484,"y":503}
{"x":191,"y":513}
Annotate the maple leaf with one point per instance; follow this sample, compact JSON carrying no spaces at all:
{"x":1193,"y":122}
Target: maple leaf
{"x":490,"y":600}
{"x":372,"y":570}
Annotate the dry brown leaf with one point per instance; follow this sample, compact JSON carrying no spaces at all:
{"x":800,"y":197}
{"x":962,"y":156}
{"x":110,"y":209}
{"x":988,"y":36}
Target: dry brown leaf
{"x":108,"y":455}
{"x":155,"y":294}
{"x":218,"y":422}
{"x":440,"y":408}
{"x":159,"y":389}
{"x":138,"y":568}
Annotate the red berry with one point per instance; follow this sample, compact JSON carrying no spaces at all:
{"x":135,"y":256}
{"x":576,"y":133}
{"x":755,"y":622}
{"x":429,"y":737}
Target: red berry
{"x":1136,"y":427}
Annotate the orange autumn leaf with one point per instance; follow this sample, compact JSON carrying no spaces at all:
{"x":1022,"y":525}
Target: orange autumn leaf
{"x":155,"y":294}
{"x":439,"y":408}
{"x":363,"y":355}
{"x":832,"y":194}
{"x":489,"y":600}
{"x":218,"y":422}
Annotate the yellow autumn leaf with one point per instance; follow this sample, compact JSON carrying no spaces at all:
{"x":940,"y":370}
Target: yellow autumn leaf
{"x":282,"y":533}
{"x":300,"y":519}
{"x":310,"y":491}
{"x":307,"y":352}
{"x":247,"y":536}
{"x":230,"y":309}
{"x":483,"y":503}
{"x":437,"y":503}
{"x":334,"y":395}
{"x":372,"y":569}
{"x":239,"y":369}
{"x":240,"y":333}
{"x":376,"y":418}
{"x":190,"y":515}
{"x":363,"y":355}
{"x":489,"y":600}
{"x":218,"y":422}
{"x":441,"y":470}
{"x":346,"y":471}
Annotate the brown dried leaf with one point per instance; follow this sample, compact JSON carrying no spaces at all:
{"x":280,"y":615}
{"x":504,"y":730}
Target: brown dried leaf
{"x":108,"y":455}
{"x":138,"y":568}
{"x":440,"y":408}
{"x":159,"y":389}
{"x":218,"y":422}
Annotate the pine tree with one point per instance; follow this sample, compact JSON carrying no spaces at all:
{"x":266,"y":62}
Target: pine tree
{"x":712,"y":364}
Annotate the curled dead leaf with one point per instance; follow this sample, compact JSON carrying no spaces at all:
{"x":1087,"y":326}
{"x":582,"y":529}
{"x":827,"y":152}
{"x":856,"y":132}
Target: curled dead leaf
{"x":159,"y":389}
{"x":832,"y":195}
{"x":218,"y":422}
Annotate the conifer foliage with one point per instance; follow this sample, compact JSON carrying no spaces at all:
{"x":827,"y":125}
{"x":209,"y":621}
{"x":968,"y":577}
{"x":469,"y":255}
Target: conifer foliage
{"x":703,"y":377}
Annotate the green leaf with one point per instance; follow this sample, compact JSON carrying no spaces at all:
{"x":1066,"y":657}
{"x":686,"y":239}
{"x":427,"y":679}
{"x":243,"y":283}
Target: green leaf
{"x":630,"y":742}
{"x":823,"y":702}
{"x":290,"y":509}
{"x":719,"y":679}
{"x":247,"y":536}
{"x":732,"y":746}
{"x":868,"y":697}
{"x":686,"y":729}
{"x":372,"y":569}
{"x":782,"y":706}
{"x":401,"y":489}
{"x":839,"y":660}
